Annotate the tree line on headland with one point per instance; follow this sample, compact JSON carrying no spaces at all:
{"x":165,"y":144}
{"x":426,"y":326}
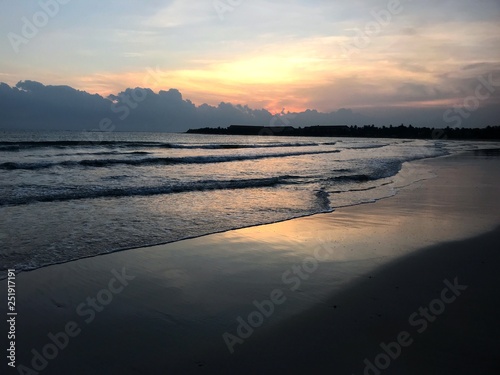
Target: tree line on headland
{"x":367,"y":131}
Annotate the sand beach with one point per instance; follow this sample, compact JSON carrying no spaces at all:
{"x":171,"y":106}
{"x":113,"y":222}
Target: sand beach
{"x":404,"y":285}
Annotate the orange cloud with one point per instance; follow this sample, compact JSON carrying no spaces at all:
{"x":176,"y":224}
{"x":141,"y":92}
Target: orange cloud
{"x":305,"y":73}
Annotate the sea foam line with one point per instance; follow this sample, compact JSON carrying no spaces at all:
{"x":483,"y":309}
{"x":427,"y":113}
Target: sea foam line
{"x":97,"y":163}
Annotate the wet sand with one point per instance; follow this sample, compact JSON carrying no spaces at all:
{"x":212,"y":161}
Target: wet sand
{"x":315,"y":295}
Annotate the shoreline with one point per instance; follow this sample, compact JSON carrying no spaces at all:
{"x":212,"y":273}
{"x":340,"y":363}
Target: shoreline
{"x":2,"y":277}
{"x":185,"y":295}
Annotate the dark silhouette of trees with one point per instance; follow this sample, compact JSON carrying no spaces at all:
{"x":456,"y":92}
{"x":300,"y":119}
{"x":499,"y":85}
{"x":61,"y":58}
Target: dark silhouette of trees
{"x":366,"y":131}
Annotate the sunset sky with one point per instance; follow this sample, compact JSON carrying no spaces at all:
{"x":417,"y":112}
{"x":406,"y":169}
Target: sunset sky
{"x":315,"y":54}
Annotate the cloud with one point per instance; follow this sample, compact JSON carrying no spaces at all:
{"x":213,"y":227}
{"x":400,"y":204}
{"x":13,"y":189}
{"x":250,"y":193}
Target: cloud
{"x":32,"y":105}
{"x":270,"y":54}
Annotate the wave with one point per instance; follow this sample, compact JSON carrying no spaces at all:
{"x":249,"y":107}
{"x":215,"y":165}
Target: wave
{"x":354,"y":177}
{"x":361,"y":189}
{"x":92,"y":192}
{"x":104,"y":153}
{"x":17,"y":146}
{"x":99,"y":163}
{"x":367,"y":147}
{"x":97,"y":192}
{"x":323,"y":200}
{"x":236,"y":146}
{"x":377,"y":169}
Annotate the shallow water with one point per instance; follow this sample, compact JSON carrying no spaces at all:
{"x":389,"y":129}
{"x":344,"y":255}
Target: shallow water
{"x":66,"y":195}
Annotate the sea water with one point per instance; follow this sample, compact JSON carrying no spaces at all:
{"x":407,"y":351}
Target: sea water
{"x":69,"y":195}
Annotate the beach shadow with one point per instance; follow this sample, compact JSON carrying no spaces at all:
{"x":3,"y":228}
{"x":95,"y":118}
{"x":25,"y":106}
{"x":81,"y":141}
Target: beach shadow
{"x":348,"y":333}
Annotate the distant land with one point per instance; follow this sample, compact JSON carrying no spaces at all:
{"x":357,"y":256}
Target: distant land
{"x":367,"y":131}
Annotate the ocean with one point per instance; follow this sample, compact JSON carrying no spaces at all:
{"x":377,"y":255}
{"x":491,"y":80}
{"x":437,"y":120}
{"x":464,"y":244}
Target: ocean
{"x":70,"y":195}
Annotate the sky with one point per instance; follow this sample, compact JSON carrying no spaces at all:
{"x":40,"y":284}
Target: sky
{"x":377,"y":58}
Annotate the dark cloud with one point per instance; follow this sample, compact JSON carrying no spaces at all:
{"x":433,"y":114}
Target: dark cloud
{"x":32,"y":105}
